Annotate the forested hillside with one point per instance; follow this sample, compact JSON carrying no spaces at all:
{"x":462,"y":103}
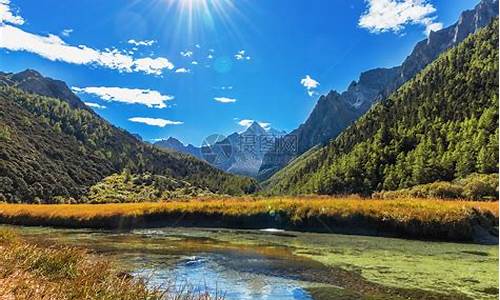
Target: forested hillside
{"x":49,"y":149}
{"x":441,"y":125}
{"x":335,"y":111}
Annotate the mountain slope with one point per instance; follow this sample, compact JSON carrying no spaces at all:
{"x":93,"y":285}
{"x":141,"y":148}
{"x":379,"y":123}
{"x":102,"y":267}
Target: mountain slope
{"x":33,"y":82}
{"x":49,"y":148}
{"x":335,"y":112}
{"x":441,"y":125}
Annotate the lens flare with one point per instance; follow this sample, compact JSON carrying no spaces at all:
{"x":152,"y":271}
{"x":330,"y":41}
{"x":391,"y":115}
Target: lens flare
{"x":199,"y":16}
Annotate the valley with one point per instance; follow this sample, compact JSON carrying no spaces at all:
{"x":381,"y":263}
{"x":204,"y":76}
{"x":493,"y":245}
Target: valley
{"x":389,"y":189}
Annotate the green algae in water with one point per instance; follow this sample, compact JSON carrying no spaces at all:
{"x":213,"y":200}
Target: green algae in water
{"x":439,"y":267}
{"x":458,"y":270}
{"x":450,"y":268}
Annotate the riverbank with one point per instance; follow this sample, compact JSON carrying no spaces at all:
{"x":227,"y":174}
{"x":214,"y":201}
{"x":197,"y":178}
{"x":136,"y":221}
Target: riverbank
{"x":291,"y":265}
{"x":465,"y":221}
{"x":30,"y":271}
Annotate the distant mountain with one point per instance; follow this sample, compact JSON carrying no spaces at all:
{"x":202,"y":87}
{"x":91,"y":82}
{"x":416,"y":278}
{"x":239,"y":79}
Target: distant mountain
{"x":245,"y":154}
{"x":176,"y":145}
{"x":335,"y":112}
{"x":439,"y":126}
{"x":54,"y":147}
{"x":249,"y":148}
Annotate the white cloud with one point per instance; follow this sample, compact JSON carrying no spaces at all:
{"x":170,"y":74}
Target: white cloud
{"x":6,"y":15}
{"x":225,"y":100}
{"x":210,"y":56}
{"x":310,"y":84}
{"x":241,"y":55}
{"x":95,"y":105}
{"x":247,"y":123}
{"x":197,"y":46}
{"x":66,"y":32}
{"x":149,"y":98}
{"x":142,"y":43}
{"x":150,"y":65}
{"x":182,"y":70}
{"x":431,"y":26}
{"x":154,"y":121}
{"x":394,"y":15}
{"x":187,"y":53}
{"x":52,"y":47}
{"x":194,"y":62}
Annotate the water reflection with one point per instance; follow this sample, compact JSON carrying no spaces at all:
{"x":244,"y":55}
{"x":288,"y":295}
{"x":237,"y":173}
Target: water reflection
{"x":272,"y":264}
{"x":211,"y":272}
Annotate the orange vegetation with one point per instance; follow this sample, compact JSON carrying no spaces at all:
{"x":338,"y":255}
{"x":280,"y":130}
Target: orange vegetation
{"x":295,"y":208}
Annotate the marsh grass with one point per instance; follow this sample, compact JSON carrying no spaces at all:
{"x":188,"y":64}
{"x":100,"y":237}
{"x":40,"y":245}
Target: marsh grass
{"x":407,"y":217}
{"x":33,"y":272}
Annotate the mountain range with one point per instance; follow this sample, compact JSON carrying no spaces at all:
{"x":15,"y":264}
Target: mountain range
{"x":335,"y":111}
{"x":239,"y":153}
{"x":440,"y":126}
{"x":53,"y":146}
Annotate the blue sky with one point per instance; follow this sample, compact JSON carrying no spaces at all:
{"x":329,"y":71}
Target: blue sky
{"x":191,"y":68}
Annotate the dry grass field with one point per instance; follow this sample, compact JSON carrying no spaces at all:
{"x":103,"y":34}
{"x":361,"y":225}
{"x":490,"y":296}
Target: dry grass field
{"x":406,"y":217}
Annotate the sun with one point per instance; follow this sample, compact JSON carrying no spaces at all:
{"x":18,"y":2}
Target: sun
{"x":196,"y":13}
{"x":191,"y":5}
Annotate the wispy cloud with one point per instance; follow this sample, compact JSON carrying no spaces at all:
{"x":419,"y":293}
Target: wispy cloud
{"x":7,"y":16}
{"x":95,"y":105}
{"x":154,"y":121}
{"x":194,"y":62}
{"x":53,"y":48}
{"x":394,"y":15}
{"x":187,"y":53}
{"x":241,"y":55}
{"x":66,"y":32}
{"x":149,"y":98}
{"x":182,"y":70}
{"x":310,"y":84}
{"x":142,"y":43}
{"x":225,"y":100}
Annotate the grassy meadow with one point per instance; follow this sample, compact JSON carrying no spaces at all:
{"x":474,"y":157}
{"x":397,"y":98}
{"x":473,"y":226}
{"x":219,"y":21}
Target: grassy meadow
{"x":405,"y":217}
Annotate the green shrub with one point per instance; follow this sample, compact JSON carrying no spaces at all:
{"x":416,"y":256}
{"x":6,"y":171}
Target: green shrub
{"x":480,"y":186}
{"x":4,"y":133}
{"x":472,"y":187}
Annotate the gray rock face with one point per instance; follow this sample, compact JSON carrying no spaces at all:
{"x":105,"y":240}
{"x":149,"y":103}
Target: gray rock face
{"x":335,"y":112}
{"x":247,"y":149}
{"x":33,"y":82}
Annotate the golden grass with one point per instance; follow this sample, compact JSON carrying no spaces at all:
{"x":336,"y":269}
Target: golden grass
{"x":298,"y":208}
{"x":34,"y":272}
{"x":404,"y":217}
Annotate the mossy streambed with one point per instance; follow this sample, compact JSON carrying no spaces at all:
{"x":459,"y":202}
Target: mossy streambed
{"x":249,"y":264}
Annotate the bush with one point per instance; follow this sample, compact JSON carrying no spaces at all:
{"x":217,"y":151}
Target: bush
{"x":472,"y":187}
{"x":480,"y":186}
